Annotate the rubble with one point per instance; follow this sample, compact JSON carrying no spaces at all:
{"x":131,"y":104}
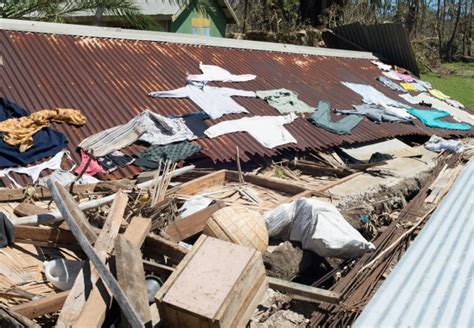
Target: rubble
{"x":130,"y":243}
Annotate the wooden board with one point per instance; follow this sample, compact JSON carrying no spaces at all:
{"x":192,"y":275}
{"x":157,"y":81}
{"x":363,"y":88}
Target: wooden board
{"x":308,"y":292}
{"x":48,"y":304}
{"x":190,"y":226}
{"x":209,"y":180}
{"x":131,"y":277}
{"x":215,"y":285}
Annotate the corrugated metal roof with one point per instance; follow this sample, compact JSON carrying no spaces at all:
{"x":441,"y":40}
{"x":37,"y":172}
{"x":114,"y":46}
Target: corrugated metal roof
{"x":109,"y":78}
{"x":433,"y":285}
{"x":388,"y":41}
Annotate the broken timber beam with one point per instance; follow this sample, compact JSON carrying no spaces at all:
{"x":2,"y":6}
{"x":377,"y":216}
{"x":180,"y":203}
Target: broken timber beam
{"x":67,"y":206}
{"x":307,"y":292}
{"x":55,"y":216}
{"x":193,"y":224}
{"x":49,"y":304}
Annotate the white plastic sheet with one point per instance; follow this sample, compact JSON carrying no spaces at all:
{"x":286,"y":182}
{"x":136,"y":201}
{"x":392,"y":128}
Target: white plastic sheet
{"x":319,"y":226}
{"x":193,"y":205}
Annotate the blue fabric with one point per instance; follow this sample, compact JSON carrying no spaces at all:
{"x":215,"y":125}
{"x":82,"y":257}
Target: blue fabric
{"x":46,"y":142}
{"x":431,"y":118}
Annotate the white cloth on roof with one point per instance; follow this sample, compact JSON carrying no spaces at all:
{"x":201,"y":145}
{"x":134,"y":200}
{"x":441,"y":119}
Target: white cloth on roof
{"x":371,"y":95}
{"x":454,"y":103}
{"x":34,"y":172}
{"x":214,"y":101}
{"x":216,"y":73}
{"x":458,"y":114}
{"x":268,"y":130}
{"x":319,"y":226}
{"x":147,"y":126}
{"x":438,"y":144}
{"x":381,"y":66}
{"x":392,"y":75}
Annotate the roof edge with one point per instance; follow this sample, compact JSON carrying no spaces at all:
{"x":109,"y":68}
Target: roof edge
{"x":119,"y":33}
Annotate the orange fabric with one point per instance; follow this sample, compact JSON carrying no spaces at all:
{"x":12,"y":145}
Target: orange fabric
{"x":19,"y":132}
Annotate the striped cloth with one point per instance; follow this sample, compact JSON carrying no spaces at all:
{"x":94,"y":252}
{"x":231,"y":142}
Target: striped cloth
{"x":147,"y":126}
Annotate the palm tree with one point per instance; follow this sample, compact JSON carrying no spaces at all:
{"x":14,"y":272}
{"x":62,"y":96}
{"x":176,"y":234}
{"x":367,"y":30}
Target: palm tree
{"x":59,"y":10}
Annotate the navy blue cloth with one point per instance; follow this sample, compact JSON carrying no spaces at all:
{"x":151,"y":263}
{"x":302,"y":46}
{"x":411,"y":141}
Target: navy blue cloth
{"x":46,"y":142}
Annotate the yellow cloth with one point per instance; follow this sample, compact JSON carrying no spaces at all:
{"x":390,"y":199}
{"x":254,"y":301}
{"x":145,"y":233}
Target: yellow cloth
{"x":438,"y":94}
{"x":19,"y":132}
{"x":408,"y":86}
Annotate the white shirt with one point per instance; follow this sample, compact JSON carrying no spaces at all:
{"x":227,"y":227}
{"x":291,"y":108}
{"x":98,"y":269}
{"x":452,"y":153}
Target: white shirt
{"x":214,"y":101}
{"x":382,"y":66}
{"x":371,"y":95}
{"x":268,"y":130}
{"x":216,"y":73}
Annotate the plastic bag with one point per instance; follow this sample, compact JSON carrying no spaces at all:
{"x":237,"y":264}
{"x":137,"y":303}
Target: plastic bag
{"x":319,"y":226}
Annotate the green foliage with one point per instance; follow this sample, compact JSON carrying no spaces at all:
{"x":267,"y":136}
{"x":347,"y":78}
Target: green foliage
{"x":459,"y":84}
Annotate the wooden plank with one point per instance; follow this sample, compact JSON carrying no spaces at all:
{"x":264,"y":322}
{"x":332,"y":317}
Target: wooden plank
{"x":340,"y":181}
{"x":155,"y":247}
{"x":131,"y":277}
{"x":11,"y":319}
{"x":48,"y":304}
{"x":157,"y":268}
{"x":44,"y":234}
{"x":320,"y":170}
{"x":206,"y":181}
{"x":25,"y":209}
{"x":268,"y":183}
{"x":311,"y":293}
{"x":68,"y":207}
{"x":182,"y":229}
{"x":77,"y":297}
{"x":137,"y":230}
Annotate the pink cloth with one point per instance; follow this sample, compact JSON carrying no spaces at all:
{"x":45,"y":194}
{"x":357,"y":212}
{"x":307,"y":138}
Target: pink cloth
{"x":93,"y":168}
{"x":405,"y":77}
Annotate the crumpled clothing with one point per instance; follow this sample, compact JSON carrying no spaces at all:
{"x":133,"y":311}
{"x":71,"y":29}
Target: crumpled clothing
{"x":195,"y":123}
{"x":322,"y":118}
{"x":147,"y":126}
{"x":425,"y":84}
{"x":213,"y":100}
{"x":19,"y":132}
{"x":216,"y":73}
{"x":431,"y":118}
{"x":381,"y":66}
{"x":390,"y":84}
{"x":408,"y":86}
{"x":405,"y":77}
{"x":173,"y":152}
{"x":392,"y":75}
{"x":454,"y":103}
{"x":285,"y":101}
{"x":458,"y":114}
{"x":267,"y":130}
{"x":438,"y":94}
{"x":438,"y":144}
{"x":7,"y":231}
{"x":92,"y":169}
{"x":34,"y":171}
{"x":371,"y":95}
{"x":114,"y":160}
{"x":380,"y":113}
{"x":46,"y":142}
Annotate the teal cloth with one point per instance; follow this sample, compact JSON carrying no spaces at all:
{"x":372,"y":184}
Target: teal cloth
{"x":431,"y":118}
{"x":322,"y":118}
{"x":285,"y":101}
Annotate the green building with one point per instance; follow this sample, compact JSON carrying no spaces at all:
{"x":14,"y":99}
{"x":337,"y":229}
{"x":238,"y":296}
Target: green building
{"x":198,"y":17}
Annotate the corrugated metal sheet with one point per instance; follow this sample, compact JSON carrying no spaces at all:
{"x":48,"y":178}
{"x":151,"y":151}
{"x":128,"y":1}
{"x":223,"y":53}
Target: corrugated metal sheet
{"x":108,"y":79}
{"x":389,"y":42}
{"x":433,"y":285}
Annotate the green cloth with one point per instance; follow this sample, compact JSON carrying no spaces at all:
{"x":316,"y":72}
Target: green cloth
{"x":149,"y":158}
{"x":285,"y":101}
{"x":322,"y":118}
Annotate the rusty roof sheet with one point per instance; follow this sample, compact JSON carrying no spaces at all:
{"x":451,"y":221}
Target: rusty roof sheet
{"x":108,"y":79}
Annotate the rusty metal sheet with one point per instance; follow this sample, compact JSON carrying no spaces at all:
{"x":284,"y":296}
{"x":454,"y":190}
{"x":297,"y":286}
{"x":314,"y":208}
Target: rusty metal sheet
{"x":109,"y":79}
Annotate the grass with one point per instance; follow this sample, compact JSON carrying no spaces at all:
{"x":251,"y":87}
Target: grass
{"x":457,"y":81}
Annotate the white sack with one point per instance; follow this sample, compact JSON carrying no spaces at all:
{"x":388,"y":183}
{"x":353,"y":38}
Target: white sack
{"x":319,"y":226}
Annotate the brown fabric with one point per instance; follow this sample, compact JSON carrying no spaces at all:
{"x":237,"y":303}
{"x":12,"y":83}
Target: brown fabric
{"x":19,"y":132}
